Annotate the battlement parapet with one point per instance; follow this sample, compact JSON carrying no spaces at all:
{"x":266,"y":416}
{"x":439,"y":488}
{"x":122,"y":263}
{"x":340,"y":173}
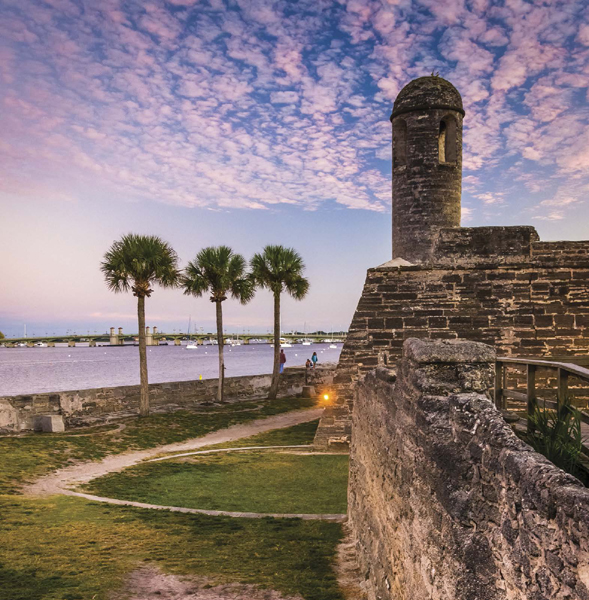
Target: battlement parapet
{"x":445,"y":501}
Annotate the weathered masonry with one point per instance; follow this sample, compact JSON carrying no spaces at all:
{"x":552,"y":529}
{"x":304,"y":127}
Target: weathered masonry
{"x":445,"y":502}
{"x":84,"y":407}
{"x":498,"y":285}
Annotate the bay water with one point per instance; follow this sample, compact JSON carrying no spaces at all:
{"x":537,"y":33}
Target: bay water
{"x":37,"y":370}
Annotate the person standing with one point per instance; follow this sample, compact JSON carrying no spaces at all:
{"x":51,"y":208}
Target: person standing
{"x":282,"y":360}
{"x":314,"y":359}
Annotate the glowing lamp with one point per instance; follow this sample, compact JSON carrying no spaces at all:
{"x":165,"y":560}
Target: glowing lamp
{"x":325,"y":396}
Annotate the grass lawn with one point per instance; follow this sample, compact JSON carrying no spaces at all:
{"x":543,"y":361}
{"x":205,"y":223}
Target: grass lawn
{"x":297,"y":435}
{"x":64,"y":548}
{"x":25,"y":458}
{"x":255,"y":481}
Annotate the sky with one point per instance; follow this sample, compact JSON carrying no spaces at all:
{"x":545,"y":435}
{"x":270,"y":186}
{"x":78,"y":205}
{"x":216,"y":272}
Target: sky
{"x":252,"y":122}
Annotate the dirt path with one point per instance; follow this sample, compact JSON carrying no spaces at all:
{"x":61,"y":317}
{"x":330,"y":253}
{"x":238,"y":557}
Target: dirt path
{"x":62,"y":480}
{"x":149,"y":583}
{"x":339,"y":518}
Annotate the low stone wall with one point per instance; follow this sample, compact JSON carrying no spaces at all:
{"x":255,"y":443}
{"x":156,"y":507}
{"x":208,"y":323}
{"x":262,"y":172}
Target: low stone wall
{"x":445,"y":502}
{"x":78,"y":407}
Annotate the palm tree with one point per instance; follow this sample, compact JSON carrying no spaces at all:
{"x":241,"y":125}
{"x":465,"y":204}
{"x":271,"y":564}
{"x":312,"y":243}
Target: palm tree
{"x":279,"y":269}
{"x":219,"y":271}
{"x":135,"y":263}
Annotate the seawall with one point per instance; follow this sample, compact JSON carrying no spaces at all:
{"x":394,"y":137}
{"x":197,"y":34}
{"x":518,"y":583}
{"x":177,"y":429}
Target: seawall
{"x":79,"y":407}
{"x":445,"y":501}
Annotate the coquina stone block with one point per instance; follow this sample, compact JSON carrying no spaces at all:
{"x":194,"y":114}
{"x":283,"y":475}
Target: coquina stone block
{"x":497,"y":285}
{"x":445,"y":502}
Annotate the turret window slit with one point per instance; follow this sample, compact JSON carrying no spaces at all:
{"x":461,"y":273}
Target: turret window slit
{"x":447,"y":140}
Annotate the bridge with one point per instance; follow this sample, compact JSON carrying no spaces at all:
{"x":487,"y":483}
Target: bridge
{"x":155,"y":337}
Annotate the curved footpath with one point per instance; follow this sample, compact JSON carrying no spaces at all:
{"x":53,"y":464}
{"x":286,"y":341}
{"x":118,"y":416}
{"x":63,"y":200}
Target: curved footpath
{"x":62,"y":480}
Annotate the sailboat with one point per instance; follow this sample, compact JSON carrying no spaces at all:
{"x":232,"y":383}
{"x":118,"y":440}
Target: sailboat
{"x":332,"y":345}
{"x":234,"y":341}
{"x":284,"y":343}
{"x":192,"y":344}
{"x":306,"y":341}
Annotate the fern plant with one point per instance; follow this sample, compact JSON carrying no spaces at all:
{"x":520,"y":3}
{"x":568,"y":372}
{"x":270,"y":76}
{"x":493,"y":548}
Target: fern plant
{"x":557,"y":435}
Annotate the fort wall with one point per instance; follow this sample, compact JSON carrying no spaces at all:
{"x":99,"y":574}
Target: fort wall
{"x":500,"y":286}
{"x":82,"y":407}
{"x":445,"y":501}
{"x":427,"y":165}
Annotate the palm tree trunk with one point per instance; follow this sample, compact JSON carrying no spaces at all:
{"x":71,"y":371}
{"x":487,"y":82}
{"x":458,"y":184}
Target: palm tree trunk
{"x":221,"y":345}
{"x":144,"y":394}
{"x":276,"y":370}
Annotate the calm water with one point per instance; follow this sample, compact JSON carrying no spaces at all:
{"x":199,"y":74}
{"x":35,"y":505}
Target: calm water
{"x":34,"y":370}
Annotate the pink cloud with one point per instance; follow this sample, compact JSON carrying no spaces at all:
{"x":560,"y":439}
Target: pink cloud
{"x":178,"y":118}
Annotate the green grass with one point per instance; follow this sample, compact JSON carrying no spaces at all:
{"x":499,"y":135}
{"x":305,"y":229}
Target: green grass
{"x":265,"y":482}
{"x":65,"y":548}
{"x":25,"y":458}
{"x":297,"y":435}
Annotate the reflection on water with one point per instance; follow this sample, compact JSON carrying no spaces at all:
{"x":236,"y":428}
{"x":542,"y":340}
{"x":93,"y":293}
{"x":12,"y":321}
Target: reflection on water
{"x":34,"y":370}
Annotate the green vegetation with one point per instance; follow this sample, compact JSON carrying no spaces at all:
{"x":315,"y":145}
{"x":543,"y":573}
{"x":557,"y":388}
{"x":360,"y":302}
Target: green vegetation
{"x":135,"y":263}
{"x":24,"y":458}
{"x":64,"y":548}
{"x":254,"y":481}
{"x":557,"y":435}
{"x":279,"y":269}
{"x":297,"y":435}
{"x":1,"y":336}
{"x":219,"y":272}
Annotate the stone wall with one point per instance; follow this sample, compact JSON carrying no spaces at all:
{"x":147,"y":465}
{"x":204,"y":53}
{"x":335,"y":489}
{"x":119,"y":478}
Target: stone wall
{"x":427,"y":165}
{"x":426,"y":194}
{"x":532,"y":300}
{"x":445,"y":502}
{"x":497,"y":245}
{"x":80,"y":407}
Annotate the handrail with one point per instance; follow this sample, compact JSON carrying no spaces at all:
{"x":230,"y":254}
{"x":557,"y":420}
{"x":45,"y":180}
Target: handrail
{"x":570,"y":367}
{"x":530,"y":397}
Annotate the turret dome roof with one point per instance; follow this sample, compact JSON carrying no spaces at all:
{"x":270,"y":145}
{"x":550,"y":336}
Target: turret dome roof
{"x":426,"y":93}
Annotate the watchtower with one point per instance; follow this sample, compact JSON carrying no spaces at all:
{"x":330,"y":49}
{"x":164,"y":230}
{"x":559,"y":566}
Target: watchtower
{"x":427,"y":165}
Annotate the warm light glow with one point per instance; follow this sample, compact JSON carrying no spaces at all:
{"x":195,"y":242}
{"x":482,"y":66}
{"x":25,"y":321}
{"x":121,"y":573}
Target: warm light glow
{"x":325,"y":396}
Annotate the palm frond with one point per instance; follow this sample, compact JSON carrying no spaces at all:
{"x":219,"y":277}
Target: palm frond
{"x":280,"y":269}
{"x":243,"y":290}
{"x":138,"y":261}
{"x":193,"y":280}
{"x":297,"y":287}
{"x":220,"y":271}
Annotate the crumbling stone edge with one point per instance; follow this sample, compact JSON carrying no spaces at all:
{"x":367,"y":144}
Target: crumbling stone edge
{"x":445,"y":501}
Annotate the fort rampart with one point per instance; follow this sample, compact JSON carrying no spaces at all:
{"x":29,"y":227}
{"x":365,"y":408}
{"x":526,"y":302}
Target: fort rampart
{"x":496,"y":285}
{"x":445,"y":501}
{"x":79,"y":407}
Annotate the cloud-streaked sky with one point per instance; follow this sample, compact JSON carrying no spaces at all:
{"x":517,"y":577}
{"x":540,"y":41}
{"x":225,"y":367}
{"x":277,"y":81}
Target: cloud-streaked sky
{"x":254,"y":121}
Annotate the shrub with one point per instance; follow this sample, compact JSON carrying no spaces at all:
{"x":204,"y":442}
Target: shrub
{"x":557,"y":436}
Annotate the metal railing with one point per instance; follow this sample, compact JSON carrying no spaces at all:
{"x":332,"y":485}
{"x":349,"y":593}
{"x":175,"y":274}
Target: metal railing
{"x":563,"y":372}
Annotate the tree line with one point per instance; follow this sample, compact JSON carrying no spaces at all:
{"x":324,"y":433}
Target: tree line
{"x":136,"y":263}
